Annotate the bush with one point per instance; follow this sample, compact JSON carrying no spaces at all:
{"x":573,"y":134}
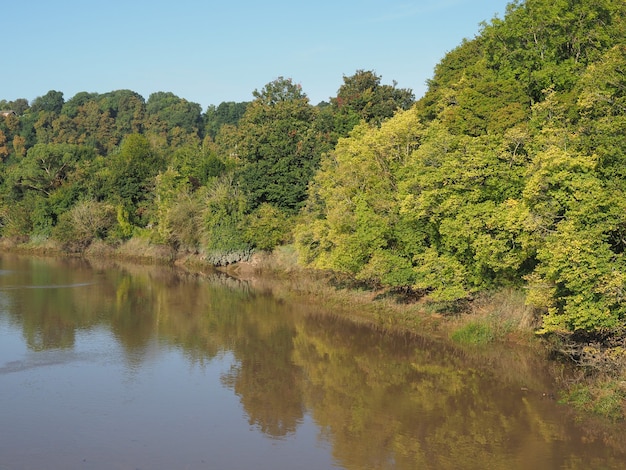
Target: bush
{"x":184,"y":223}
{"x":16,"y":220}
{"x":222,"y":218}
{"x":85,"y":222}
{"x":267,"y":227}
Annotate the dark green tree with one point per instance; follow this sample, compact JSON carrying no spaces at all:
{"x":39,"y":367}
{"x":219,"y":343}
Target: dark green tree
{"x":278,"y":146}
{"x":129,"y":176}
{"x":51,"y":102}
{"x":363,"y":97}
{"x":47,"y":167}
{"x":170,"y":112}
{"x":70,"y":108}
{"x":227,"y":112}
{"x":18,"y":106}
{"x":127,"y":108}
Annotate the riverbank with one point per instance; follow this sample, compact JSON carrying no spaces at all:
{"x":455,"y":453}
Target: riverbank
{"x":595,"y":381}
{"x":486,"y":326}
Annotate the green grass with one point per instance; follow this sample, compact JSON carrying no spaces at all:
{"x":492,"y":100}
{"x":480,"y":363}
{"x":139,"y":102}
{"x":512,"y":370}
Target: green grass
{"x":475,"y":333}
{"x":604,"y":398}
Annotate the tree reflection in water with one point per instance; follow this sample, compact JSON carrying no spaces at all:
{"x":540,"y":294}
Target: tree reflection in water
{"x":381,"y":400}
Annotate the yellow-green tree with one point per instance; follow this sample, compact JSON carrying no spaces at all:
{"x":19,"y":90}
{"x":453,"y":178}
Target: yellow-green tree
{"x":353,"y":222}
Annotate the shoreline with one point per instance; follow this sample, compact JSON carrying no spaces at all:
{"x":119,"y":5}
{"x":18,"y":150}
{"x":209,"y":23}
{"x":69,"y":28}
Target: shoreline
{"x":491,"y":322}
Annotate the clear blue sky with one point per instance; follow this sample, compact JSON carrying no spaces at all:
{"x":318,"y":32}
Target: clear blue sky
{"x":209,"y":51}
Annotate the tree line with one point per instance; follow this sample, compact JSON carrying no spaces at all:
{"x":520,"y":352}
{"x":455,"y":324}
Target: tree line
{"x":112,"y":166}
{"x":509,"y":171}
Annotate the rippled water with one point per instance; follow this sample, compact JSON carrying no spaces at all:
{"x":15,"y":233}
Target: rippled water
{"x":136,"y":367}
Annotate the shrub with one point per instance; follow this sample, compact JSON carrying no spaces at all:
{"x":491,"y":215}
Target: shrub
{"x":267,"y":227}
{"x":222,"y":218}
{"x":16,"y":220}
{"x":85,"y":222}
{"x":184,"y":222}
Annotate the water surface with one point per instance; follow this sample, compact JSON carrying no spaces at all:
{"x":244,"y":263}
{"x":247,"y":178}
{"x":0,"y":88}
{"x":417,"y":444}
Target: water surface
{"x":133,"y":367}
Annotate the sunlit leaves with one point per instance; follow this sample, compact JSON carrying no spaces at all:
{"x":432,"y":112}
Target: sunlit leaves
{"x":354,"y":226}
{"x":267,"y":227}
{"x":582,"y":279}
{"x":579,"y":278}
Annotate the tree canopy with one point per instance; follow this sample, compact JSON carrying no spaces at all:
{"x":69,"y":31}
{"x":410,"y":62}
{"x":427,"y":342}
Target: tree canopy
{"x":509,"y":171}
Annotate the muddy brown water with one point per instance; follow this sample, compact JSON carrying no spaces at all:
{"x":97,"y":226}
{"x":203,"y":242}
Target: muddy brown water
{"x":150,"y":368}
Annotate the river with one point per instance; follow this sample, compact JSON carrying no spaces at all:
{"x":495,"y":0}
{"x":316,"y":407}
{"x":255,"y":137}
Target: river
{"x":132,"y":367}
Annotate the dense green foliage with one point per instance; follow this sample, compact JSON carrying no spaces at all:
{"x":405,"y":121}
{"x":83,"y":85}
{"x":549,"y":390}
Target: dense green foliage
{"x":278,"y":146}
{"x":510,"y":171}
{"x":112,"y":166}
